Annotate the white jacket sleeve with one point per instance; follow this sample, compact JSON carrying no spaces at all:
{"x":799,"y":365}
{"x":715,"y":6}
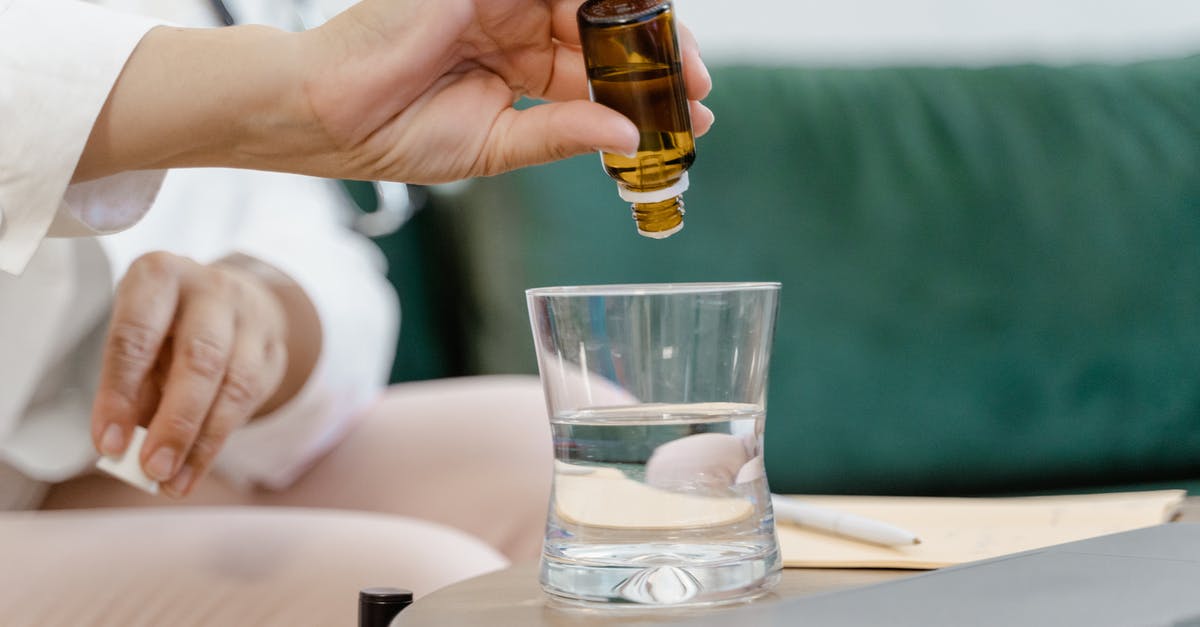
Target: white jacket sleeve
{"x":58,"y":62}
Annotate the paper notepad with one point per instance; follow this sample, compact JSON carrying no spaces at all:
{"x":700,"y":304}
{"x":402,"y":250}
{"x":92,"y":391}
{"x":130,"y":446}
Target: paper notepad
{"x":957,"y":530}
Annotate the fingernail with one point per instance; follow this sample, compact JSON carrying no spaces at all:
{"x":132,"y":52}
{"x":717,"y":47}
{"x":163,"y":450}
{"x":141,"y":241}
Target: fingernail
{"x":161,"y":463}
{"x":112,"y":442}
{"x":179,"y":485}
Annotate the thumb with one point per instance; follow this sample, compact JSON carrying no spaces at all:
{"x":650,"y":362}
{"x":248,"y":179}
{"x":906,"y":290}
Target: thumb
{"x":553,"y":131}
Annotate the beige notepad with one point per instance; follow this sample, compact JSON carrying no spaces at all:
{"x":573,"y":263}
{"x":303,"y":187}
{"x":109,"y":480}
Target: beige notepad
{"x":956,"y":530}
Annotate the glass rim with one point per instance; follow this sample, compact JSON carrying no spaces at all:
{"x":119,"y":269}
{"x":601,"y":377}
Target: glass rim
{"x":653,"y":289}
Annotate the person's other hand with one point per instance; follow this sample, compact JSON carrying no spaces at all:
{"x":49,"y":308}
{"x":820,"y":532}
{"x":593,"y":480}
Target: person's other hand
{"x":423,"y":92}
{"x":193,"y":352}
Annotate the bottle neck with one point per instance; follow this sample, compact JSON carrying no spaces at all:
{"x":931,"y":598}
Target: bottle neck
{"x":659,"y":219}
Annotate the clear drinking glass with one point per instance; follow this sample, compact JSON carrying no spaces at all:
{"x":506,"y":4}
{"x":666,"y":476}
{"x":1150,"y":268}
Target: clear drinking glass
{"x":656,"y":396}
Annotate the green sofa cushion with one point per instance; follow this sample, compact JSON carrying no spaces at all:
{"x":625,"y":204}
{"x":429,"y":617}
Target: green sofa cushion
{"x":991,"y":277}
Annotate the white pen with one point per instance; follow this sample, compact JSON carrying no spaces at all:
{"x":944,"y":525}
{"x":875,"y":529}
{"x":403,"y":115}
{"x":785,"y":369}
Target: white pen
{"x":841,"y":523}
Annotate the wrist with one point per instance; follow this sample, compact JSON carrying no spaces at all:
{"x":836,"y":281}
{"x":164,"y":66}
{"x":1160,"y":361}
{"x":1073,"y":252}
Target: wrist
{"x":279,"y":132}
{"x":241,"y":104}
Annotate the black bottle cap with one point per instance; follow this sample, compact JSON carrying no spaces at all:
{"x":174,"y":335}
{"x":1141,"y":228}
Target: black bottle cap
{"x":378,"y":606}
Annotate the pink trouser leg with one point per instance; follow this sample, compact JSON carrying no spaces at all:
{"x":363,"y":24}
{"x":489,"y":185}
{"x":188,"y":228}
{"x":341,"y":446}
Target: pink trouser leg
{"x":435,"y":458}
{"x":218,"y":566}
{"x":472,"y":453}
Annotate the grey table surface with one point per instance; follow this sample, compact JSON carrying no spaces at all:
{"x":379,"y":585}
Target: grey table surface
{"x":512,"y":597}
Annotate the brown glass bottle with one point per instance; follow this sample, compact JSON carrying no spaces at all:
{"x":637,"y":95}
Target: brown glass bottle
{"x":633,"y":66}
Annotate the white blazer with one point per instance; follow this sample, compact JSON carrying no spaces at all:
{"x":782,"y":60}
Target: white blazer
{"x":57,"y":63}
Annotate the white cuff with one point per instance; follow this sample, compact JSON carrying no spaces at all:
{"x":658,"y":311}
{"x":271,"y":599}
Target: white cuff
{"x":107,"y":205}
{"x":58,"y":62}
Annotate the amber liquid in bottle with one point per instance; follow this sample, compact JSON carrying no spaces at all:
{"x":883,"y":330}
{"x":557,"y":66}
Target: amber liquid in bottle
{"x":633,"y":65}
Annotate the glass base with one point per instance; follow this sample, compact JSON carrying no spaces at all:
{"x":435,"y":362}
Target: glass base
{"x":674,"y":575}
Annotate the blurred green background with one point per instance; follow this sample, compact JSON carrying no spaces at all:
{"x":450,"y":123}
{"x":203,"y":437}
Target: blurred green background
{"x":991,"y":276}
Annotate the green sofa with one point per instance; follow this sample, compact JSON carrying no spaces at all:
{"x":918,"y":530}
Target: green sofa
{"x":991,"y":277}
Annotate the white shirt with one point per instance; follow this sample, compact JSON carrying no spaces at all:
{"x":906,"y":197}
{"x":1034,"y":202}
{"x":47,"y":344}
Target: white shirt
{"x":58,"y":61}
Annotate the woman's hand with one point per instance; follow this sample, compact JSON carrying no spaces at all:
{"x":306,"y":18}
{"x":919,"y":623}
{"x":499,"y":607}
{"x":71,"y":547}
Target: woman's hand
{"x":193,"y":353}
{"x":408,"y":90}
{"x":423,"y":92}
